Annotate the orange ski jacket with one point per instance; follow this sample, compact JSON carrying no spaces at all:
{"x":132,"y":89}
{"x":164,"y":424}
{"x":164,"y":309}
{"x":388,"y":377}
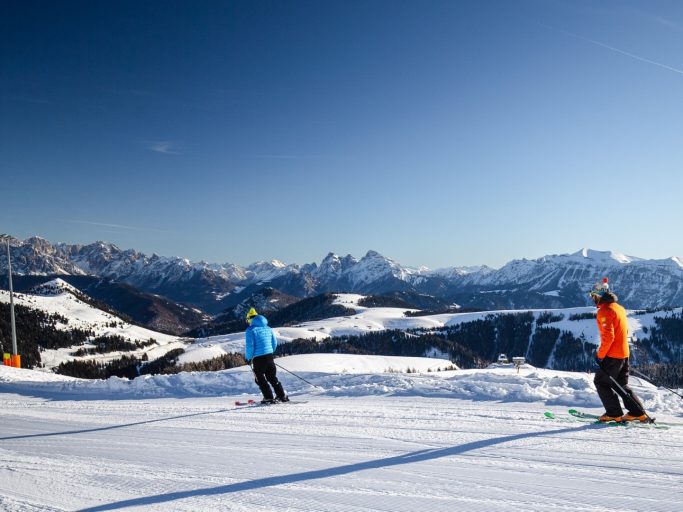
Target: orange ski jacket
{"x":613,"y":327}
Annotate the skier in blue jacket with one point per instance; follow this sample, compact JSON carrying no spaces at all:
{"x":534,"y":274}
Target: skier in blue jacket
{"x":258,"y":351}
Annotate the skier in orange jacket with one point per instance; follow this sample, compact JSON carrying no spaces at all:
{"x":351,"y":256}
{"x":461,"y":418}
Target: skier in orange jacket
{"x":612,"y":358}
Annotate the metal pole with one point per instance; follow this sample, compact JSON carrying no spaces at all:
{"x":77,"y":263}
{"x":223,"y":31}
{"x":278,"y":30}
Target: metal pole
{"x":6,"y":238}
{"x":11,"y":300}
{"x":300,"y":378}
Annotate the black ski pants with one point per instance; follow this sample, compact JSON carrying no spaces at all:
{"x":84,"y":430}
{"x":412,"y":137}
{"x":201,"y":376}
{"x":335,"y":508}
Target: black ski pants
{"x":609,"y":392}
{"x":265,"y":372}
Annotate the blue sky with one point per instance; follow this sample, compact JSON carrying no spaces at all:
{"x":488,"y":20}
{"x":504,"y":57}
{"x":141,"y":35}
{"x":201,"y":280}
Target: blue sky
{"x":439,"y":133}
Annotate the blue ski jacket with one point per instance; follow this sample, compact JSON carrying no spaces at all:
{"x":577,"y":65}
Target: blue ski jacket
{"x":260,"y":339}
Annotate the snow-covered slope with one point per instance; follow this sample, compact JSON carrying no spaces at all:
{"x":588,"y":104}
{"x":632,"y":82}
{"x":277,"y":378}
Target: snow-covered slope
{"x":374,"y":441}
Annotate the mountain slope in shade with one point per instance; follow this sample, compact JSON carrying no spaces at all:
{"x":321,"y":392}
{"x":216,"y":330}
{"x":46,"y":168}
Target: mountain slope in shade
{"x":152,"y":311}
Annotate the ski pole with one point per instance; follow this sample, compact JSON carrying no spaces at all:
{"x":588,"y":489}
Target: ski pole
{"x":251,"y":365}
{"x":626,"y":393}
{"x":650,"y":381}
{"x":301,"y":378}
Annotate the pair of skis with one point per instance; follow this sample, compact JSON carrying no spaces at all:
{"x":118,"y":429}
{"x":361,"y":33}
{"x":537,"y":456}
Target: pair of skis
{"x":574,"y":415}
{"x":250,"y":402}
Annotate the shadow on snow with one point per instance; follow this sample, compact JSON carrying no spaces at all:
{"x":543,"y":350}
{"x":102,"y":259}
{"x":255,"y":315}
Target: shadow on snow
{"x":407,"y":458}
{"x":113,"y":427}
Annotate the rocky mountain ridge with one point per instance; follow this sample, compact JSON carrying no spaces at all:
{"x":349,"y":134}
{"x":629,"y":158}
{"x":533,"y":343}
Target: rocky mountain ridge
{"x":550,"y":281}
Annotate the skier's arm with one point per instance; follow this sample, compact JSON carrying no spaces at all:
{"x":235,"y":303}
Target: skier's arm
{"x":606,"y":328}
{"x":274,"y":340}
{"x":248,"y":345}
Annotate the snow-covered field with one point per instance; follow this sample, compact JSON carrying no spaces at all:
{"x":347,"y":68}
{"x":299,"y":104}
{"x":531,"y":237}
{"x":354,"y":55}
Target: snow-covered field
{"x":363,"y":440}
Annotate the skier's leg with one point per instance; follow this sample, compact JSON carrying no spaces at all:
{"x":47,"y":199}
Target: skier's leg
{"x":260,"y":368}
{"x":631,"y":401}
{"x":603,"y":384}
{"x":271,"y":375}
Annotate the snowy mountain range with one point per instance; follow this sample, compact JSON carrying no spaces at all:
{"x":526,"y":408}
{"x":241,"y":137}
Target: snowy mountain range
{"x":549,"y":282}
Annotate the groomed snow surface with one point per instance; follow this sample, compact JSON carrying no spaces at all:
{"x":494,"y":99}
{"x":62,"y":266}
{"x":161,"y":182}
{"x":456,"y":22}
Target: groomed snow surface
{"x":367,"y":439}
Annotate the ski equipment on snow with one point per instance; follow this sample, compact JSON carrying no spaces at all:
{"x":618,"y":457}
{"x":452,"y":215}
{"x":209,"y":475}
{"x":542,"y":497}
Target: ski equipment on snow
{"x":592,"y":419}
{"x":254,"y":403}
{"x":300,"y":378}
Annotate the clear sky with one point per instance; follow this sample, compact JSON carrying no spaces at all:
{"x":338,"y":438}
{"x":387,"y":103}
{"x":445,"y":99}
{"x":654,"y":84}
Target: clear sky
{"x":439,"y":133}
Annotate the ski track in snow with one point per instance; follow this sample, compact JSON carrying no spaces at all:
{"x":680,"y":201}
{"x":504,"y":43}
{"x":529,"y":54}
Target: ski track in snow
{"x":471,"y":440}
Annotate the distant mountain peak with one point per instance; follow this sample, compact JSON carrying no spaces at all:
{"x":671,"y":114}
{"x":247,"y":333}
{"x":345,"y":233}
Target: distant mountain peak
{"x":268,"y":270}
{"x":371,"y":254}
{"x":333,"y":266}
{"x":603,"y":256}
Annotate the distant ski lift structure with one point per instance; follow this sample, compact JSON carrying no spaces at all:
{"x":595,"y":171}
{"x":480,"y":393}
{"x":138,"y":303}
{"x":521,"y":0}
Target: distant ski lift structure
{"x":502,"y":359}
{"x":518,"y":361}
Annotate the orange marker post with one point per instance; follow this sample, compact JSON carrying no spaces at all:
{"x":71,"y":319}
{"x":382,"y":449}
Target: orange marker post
{"x":16,"y":360}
